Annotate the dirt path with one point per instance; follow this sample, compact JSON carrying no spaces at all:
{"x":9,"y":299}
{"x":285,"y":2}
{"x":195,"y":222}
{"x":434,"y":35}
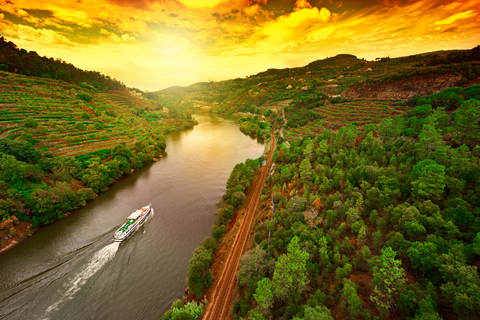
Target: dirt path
{"x":220,"y":303}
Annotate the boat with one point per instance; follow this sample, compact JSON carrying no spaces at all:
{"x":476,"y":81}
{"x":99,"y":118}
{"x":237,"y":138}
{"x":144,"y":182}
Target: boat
{"x":134,"y":220}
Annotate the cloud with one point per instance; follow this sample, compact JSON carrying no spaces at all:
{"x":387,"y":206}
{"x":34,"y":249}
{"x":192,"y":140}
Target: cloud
{"x":38,"y":37}
{"x":118,"y":38}
{"x":201,"y":3}
{"x":457,"y":16}
{"x":158,"y":43}
{"x":139,"y":4}
{"x":292,"y":27}
{"x":302,"y":4}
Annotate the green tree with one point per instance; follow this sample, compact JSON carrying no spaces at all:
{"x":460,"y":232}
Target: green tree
{"x":290,"y":276}
{"x":254,"y":264}
{"x":430,"y":182}
{"x":264,"y":294}
{"x":350,"y":300}
{"x":431,"y":145}
{"x":21,"y":150}
{"x":467,"y":123}
{"x":423,"y":256}
{"x":80,"y":126}
{"x":199,"y":276}
{"x":388,"y":280}
{"x":476,"y":244}
{"x":305,"y":170}
{"x":97,"y":176}
{"x":389,"y":129}
{"x":462,"y":288}
{"x":30,"y":123}
{"x":319,"y":312}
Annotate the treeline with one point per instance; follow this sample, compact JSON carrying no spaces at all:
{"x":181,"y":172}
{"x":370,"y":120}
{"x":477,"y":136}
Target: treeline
{"x":41,"y":188}
{"x":455,"y":57}
{"x":469,"y":71}
{"x":373,"y":224}
{"x":464,"y":63}
{"x":13,"y":59}
{"x":199,"y":274}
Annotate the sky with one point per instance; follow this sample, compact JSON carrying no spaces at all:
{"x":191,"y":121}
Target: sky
{"x":155,"y":44}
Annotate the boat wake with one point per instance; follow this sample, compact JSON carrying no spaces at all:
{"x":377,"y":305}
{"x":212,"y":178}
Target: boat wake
{"x":98,"y":260}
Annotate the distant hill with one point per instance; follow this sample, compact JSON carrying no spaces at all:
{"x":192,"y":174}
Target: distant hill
{"x":16,"y":60}
{"x":330,"y":77}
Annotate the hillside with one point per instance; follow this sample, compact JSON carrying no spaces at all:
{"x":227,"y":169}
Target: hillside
{"x":329,"y":79}
{"x":382,"y":222}
{"x":61,"y":143}
{"x":69,"y":120}
{"x":371,"y":209}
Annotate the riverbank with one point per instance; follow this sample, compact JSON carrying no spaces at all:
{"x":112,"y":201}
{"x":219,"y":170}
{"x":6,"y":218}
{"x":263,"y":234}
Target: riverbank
{"x":227,"y":231}
{"x":22,"y":231}
{"x":13,"y":231}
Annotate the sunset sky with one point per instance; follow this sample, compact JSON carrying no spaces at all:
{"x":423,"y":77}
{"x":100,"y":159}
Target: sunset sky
{"x":154,"y":44}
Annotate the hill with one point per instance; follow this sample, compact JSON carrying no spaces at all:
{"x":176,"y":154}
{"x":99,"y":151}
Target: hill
{"x":16,"y":60}
{"x":371,"y":208}
{"x":331,"y":77}
{"x":63,"y":142}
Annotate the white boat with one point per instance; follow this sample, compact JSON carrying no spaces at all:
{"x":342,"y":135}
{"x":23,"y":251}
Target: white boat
{"x":135,"y":220}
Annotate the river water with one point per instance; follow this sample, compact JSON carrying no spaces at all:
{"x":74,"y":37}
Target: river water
{"x":72,"y":269}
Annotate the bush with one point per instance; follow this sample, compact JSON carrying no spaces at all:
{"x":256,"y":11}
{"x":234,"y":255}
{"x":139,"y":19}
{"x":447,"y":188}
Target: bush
{"x":218,"y":231}
{"x":199,"y":277}
{"x":30,"y":123}
{"x":85,"y":97}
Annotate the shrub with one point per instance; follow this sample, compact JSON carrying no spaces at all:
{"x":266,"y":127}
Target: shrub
{"x":199,"y":277}
{"x":85,"y":97}
{"x":30,"y":123}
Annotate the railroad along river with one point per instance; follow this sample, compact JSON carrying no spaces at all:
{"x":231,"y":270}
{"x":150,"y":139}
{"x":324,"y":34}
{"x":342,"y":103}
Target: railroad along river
{"x":72,"y":269}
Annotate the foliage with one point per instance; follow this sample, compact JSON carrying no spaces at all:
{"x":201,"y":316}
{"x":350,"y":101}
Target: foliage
{"x":289,"y":277}
{"x":388,"y":279}
{"x":199,"y":276}
{"x":56,"y":150}
{"x":264,"y":294}
{"x":190,"y":310}
{"x":397,"y":201}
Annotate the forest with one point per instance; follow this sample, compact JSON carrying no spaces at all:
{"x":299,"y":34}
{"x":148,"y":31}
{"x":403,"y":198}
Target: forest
{"x":373,"y":222}
{"x":25,"y":171}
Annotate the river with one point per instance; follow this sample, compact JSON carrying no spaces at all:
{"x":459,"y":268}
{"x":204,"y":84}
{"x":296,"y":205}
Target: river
{"x":72,"y":269}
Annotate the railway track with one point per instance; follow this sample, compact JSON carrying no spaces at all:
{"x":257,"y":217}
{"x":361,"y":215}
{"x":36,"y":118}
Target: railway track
{"x":220,"y":304}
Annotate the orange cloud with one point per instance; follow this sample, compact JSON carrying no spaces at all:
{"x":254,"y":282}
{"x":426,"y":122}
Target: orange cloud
{"x":457,"y":16}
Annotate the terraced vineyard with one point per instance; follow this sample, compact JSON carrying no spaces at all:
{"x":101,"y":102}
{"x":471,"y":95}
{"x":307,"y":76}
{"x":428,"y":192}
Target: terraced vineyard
{"x":71,"y":120}
{"x":360,"y":112}
{"x":335,"y":116}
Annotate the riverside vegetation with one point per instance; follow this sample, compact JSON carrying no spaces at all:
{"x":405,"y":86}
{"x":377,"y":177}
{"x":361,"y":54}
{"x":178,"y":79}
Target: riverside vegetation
{"x":376,"y":208}
{"x":63,"y":140}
